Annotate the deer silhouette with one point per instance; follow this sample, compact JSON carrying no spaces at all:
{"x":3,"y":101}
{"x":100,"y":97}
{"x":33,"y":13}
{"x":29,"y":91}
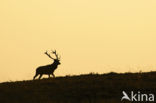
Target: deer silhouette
{"x":48,"y":69}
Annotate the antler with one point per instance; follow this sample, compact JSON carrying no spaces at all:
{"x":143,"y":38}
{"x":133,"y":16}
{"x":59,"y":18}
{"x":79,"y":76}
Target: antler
{"x":59,"y":57}
{"x":48,"y":55}
{"x":54,"y":52}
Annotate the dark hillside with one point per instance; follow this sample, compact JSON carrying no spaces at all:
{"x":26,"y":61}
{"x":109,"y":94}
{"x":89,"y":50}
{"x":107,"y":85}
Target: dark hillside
{"x":91,"y":88}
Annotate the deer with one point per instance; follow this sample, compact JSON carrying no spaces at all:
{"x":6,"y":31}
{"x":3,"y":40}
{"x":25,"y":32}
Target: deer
{"x":48,"y":69}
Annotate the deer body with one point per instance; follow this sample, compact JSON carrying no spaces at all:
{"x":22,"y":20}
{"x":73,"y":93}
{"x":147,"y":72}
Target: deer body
{"x":48,"y":69}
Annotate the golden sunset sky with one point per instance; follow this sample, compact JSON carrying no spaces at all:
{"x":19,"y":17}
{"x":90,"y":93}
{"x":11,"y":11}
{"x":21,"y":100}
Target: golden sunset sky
{"x":90,"y":35}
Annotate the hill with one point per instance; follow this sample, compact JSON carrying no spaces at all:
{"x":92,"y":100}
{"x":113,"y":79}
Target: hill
{"x":89,"y":88}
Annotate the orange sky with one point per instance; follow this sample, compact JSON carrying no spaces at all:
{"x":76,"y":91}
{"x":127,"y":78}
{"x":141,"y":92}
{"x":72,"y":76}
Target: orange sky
{"x":90,"y":35}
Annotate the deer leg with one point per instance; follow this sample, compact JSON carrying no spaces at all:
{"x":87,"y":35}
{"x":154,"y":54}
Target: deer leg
{"x":53,"y":75}
{"x":35,"y":76}
{"x":49,"y":75}
{"x":40,"y":76}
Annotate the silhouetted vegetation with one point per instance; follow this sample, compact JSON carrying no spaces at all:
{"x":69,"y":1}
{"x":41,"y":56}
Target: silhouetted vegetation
{"x":90,"y":88}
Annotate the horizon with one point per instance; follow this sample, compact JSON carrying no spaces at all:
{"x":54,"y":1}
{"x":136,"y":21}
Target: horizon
{"x":90,"y":36}
{"x":86,"y":74}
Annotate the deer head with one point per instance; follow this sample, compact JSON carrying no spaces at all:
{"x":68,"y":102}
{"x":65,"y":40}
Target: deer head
{"x":57,"y":60}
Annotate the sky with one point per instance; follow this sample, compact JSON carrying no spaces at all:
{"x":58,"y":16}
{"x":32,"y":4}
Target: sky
{"x":98,"y":36}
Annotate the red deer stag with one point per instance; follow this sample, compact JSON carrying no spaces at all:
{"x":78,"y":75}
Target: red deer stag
{"x":48,"y":69}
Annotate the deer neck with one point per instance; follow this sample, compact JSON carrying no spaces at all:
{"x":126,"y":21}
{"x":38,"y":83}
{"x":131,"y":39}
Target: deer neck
{"x":54,"y":65}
